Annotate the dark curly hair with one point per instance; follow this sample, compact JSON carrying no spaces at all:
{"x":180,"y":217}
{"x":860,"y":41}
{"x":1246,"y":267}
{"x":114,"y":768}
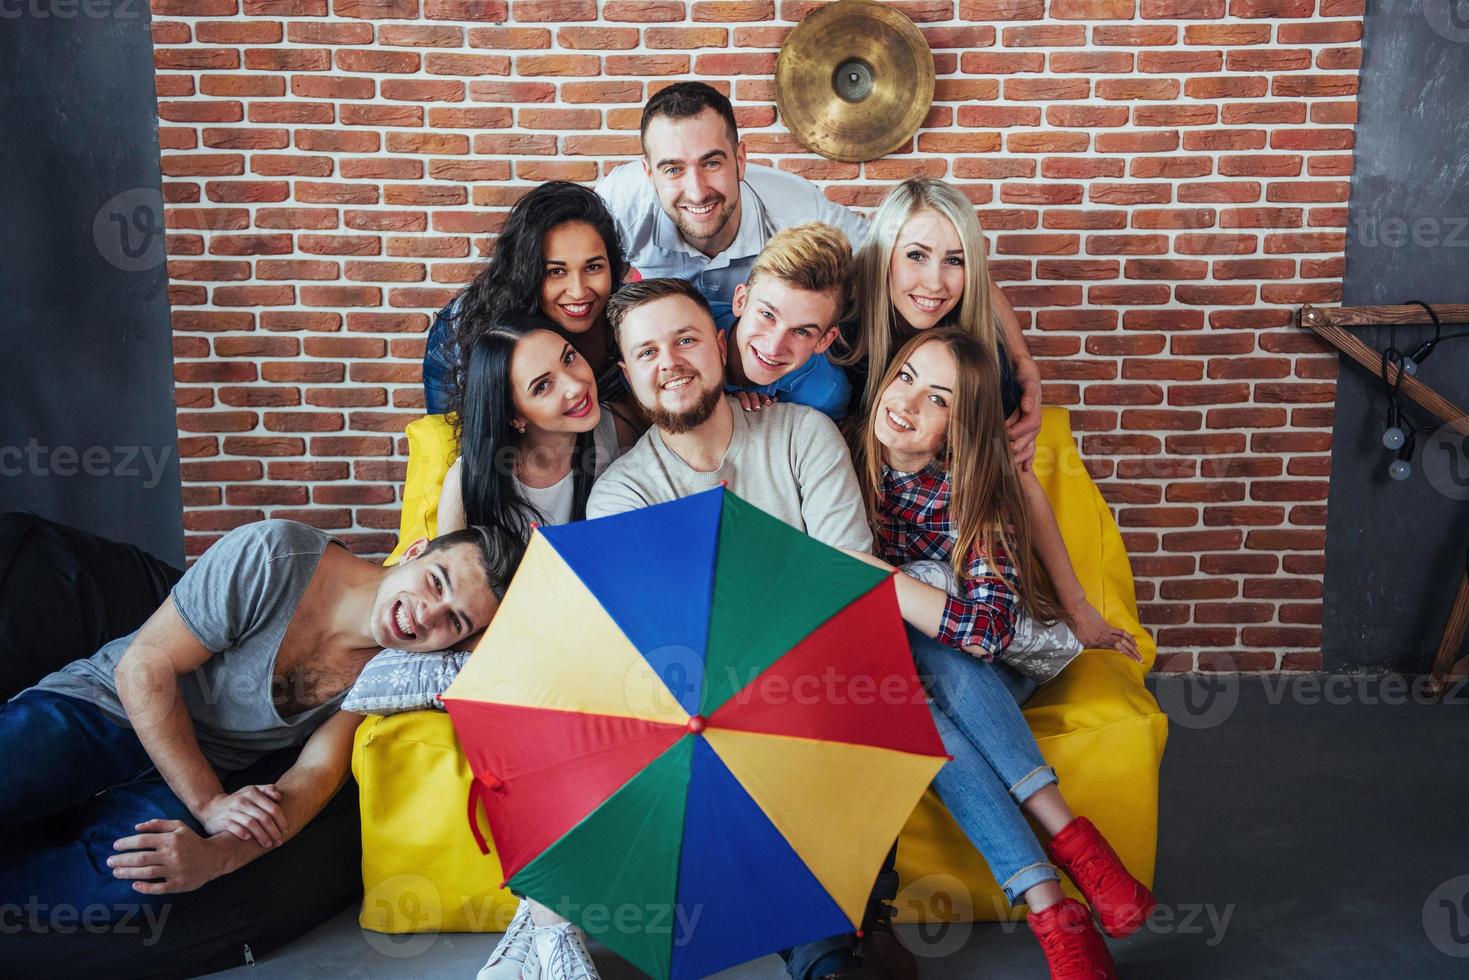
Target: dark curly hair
{"x":510,"y":285}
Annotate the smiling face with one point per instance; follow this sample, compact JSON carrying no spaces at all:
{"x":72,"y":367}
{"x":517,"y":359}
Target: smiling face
{"x":578,"y":276}
{"x":432,"y":601}
{"x":553,"y":386}
{"x":674,"y":362}
{"x":912,"y":418}
{"x":696,"y":172}
{"x":926,"y":271}
{"x":780,"y":327}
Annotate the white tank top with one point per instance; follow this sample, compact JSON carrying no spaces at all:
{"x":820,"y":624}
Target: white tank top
{"x":556,"y":502}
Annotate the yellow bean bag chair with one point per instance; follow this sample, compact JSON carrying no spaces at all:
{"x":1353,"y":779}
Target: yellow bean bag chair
{"x":424,"y":869}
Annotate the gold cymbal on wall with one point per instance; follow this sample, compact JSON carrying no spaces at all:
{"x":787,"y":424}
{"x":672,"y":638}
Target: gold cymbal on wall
{"x":854,"y":80}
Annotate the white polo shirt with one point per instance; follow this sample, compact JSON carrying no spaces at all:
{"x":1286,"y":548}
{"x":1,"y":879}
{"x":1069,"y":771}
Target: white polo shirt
{"x":770,"y":201}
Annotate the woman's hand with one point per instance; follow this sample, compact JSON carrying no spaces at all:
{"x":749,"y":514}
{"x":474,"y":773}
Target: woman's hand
{"x":753,"y":401}
{"x":170,"y":850}
{"x":1022,"y":428}
{"x":1095,"y":632}
{"x":251,"y":812}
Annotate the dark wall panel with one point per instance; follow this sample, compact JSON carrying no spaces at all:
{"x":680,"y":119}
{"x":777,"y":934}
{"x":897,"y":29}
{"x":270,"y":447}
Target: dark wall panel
{"x":87,"y":430}
{"x":1396,"y":550}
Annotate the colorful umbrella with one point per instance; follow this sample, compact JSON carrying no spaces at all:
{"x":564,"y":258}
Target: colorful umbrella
{"x":699,"y":732}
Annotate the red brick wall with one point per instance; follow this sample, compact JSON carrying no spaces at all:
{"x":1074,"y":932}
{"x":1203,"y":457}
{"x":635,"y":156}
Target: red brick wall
{"x":1164,"y":180}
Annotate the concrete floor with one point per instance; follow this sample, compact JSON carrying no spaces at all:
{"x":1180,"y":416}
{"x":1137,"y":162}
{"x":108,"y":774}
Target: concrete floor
{"x":1308,"y":829}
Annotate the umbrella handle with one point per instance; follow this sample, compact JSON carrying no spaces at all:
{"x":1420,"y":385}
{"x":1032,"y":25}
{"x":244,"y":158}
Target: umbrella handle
{"x":476,"y":799}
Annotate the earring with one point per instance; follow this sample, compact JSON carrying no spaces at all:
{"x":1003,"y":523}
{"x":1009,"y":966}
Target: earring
{"x":518,"y":428}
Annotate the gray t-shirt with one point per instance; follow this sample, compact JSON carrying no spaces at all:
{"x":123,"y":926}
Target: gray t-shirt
{"x":237,"y":600}
{"x":786,"y":459}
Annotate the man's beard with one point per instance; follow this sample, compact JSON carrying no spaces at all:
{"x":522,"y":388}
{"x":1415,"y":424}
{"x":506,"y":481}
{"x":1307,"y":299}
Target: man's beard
{"x":677,"y":423}
{"x":692,"y":234}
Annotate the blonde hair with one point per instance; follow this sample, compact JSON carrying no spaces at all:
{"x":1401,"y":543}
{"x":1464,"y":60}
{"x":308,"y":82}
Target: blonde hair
{"x":879,"y":326}
{"x":815,"y":257}
{"x":986,"y":505}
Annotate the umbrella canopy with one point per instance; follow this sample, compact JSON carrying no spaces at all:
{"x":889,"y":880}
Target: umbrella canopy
{"x":699,"y":731}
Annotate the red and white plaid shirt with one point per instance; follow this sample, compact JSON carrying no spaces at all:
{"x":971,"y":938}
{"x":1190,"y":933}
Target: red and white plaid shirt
{"x":913,"y":524}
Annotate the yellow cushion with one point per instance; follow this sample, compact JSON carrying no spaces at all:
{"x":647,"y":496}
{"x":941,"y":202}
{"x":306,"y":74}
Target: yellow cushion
{"x":1096,"y":723}
{"x":422,"y":869}
{"x":431,"y":451}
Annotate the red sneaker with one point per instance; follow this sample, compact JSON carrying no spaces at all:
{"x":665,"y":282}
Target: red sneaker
{"x":1073,"y":947}
{"x":1121,"y":901}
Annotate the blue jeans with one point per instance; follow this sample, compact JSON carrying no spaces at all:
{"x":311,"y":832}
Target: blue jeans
{"x":996,"y":765}
{"x":73,"y":782}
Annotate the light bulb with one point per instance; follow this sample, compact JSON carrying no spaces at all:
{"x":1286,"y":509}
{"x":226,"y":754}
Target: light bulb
{"x":1400,"y":469}
{"x":1393,"y":438}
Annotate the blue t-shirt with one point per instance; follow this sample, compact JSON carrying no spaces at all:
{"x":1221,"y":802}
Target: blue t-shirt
{"x":818,"y":383}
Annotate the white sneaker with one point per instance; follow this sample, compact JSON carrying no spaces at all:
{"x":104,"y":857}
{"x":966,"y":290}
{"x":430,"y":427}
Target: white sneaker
{"x":515,"y":956}
{"x":562,"y":950}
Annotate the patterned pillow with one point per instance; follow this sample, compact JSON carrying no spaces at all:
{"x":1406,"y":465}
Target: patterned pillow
{"x":396,"y":681}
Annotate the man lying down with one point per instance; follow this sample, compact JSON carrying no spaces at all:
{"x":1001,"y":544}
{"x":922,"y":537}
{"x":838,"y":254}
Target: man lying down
{"x":253,"y":651}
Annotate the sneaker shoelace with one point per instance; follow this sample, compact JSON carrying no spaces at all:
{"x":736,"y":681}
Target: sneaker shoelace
{"x":519,"y":940}
{"x":1101,"y":873}
{"x":569,"y":959}
{"x":1064,"y":946}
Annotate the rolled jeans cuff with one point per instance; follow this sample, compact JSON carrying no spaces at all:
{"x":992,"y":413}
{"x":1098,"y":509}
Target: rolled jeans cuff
{"x":1027,"y":878}
{"x":1033,"y":782}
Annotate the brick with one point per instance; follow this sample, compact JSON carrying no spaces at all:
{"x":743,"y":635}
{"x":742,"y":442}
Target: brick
{"x":1047,"y":89}
{"x":1093,"y":9}
{"x":553,"y":11}
{"x":1096,"y":62}
{"x":1246,"y":9}
{"x":986,"y":10}
{"x":334,"y":87}
{"x":602,"y":92}
{"x":308,"y":33}
{"x":1044,"y":36}
{"x":376,"y":9}
{"x":420,"y":36}
{"x":688,"y":38}
{"x":644,"y":11}
{"x":1126,"y":89}
{"x":986,"y":63}
{"x":319,"y":113}
{"x":598,"y":38}
{"x":1183,"y":9}
{"x":440,"y":63}
{"x":191,"y":59}
{"x":509,"y":38}
{"x":1134,"y":36}
{"x":379,"y":62}
{"x":406,"y":90}
{"x":558,"y":64}
{"x":242,"y":86}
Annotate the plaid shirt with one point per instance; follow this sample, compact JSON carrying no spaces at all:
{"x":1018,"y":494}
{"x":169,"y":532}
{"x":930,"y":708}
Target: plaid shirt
{"x":913,"y":524}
